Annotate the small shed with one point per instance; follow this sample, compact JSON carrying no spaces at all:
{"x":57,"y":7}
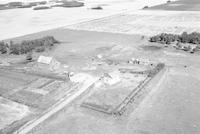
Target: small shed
{"x":48,"y":63}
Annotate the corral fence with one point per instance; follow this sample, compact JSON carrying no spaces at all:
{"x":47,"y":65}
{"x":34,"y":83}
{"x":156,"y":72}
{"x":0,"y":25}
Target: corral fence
{"x":121,"y":108}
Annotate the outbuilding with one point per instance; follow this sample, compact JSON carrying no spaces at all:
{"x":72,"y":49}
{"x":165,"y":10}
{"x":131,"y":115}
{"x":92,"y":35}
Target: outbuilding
{"x":48,"y":63}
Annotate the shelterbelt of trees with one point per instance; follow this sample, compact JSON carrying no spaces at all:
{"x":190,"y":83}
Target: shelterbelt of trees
{"x":69,"y":4}
{"x":165,"y":38}
{"x":26,"y":46}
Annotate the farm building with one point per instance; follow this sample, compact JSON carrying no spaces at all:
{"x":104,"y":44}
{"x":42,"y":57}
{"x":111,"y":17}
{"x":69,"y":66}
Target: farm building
{"x":48,"y":63}
{"x":139,"y":61}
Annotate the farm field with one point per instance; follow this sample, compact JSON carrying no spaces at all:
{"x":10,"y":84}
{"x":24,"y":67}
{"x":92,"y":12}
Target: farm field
{"x":76,"y":119}
{"x":163,"y":104}
{"x":180,"y":5}
{"x":93,"y":44}
{"x":43,"y":92}
{"x":25,"y":97}
{"x":144,"y":23}
{"x":10,"y":81}
{"x":29,"y":21}
{"x":158,"y":110}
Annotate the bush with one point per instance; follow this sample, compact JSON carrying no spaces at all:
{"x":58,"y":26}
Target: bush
{"x":70,"y":4}
{"x":40,"y":49}
{"x":42,"y":2}
{"x":29,"y":56}
{"x":15,"y":49}
{"x":3,"y":47}
{"x":25,"y":6}
{"x":193,"y":38}
{"x":26,"y":47}
{"x":164,"y":38}
{"x":168,"y":1}
{"x":145,"y":7}
{"x":41,"y":8}
{"x":97,"y":8}
{"x":38,"y":3}
{"x":33,"y":3}
{"x":15,"y":4}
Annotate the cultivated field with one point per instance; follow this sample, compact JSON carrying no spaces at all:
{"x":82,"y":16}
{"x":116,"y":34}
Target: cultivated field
{"x":26,"y":96}
{"x":180,"y":5}
{"x":30,"y":21}
{"x":11,"y":81}
{"x":144,"y":23}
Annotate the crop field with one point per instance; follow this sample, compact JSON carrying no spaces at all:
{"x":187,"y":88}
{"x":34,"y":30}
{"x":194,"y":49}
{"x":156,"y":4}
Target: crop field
{"x":144,"y":23}
{"x":11,"y":81}
{"x":41,"y":93}
{"x":180,"y":5}
{"x":21,"y":94}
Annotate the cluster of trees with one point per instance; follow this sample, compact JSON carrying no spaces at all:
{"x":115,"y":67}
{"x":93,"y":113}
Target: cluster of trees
{"x":164,"y":38}
{"x":97,"y":8}
{"x":64,"y":3}
{"x":12,"y":5}
{"x":41,"y":8}
{"x":26,"y":46}
{"x":3,"y":47}
{"x":193,"y":38}
{"x":69,"y":4}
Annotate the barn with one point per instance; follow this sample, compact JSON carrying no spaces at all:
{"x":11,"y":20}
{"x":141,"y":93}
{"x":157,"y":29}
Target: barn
{"x":48,"y":63}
